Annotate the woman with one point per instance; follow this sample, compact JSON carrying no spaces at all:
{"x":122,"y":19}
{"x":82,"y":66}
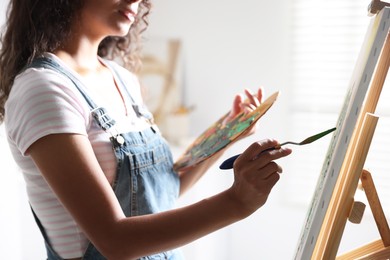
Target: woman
{"x":99,"y":176}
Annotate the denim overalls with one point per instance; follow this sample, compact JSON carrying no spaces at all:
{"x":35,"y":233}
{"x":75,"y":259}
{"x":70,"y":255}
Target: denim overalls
{"x":145,"y":181}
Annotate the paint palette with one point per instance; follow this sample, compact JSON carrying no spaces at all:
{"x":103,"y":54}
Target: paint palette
{"x":219,"y":135}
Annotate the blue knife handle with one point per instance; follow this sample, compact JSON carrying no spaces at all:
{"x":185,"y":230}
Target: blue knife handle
{"x":228,"y":163}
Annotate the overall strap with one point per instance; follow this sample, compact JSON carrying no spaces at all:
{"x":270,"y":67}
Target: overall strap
{"x":52,"y":255}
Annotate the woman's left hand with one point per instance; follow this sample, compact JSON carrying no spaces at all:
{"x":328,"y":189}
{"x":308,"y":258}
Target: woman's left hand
{"x":190,"y":175}
{"x":241,"y":105}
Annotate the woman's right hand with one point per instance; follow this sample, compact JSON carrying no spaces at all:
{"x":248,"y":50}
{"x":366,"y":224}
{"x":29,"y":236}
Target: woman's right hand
{"x":256,"y":173}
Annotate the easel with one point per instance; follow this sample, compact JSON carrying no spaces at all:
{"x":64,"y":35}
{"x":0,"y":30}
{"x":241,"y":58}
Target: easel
{"x":153,"y":65}
{"x":342,"y":205}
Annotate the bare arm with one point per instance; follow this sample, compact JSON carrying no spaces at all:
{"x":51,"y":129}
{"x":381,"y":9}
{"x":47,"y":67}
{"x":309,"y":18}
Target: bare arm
{"x":69,"y":165}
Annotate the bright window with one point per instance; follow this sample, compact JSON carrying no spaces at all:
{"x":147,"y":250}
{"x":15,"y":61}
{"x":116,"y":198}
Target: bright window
{"x":326,"y":40}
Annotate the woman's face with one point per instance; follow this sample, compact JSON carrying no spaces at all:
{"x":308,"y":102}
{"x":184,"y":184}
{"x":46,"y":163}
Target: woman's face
{"x":101,"y":18}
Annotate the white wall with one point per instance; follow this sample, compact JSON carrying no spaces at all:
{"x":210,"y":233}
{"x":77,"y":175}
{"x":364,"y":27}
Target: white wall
{"x":228,"y":46}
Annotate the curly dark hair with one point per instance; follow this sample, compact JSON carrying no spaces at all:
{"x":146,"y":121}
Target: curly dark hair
{"x":37,"y":26}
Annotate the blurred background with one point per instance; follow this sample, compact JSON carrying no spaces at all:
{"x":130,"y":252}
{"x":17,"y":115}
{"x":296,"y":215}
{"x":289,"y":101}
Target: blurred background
{"x":198,"y":55}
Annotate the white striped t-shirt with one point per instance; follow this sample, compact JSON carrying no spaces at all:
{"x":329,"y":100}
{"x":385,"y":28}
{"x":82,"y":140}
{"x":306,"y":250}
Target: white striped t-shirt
{"x":44,"y":102}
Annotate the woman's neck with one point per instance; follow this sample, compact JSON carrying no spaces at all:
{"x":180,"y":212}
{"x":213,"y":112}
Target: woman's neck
{"x":80,"y":53}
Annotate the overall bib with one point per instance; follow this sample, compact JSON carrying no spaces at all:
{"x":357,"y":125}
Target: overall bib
{"x":145,"y":181}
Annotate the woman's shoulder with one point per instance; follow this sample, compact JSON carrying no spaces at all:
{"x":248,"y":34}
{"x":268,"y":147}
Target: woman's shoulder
{"x":40,"y":81}
{"x":40,"y":88}
{"x":41,"y":102}
{"x":40,"y":78}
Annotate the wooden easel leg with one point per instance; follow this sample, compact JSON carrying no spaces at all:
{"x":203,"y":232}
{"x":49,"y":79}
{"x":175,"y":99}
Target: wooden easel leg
{"x":379,"y":249}
{"x":363,"y":251}
{"x":376,"y":207}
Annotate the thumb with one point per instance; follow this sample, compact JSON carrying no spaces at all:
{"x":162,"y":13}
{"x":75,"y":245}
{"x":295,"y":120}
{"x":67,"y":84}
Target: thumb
{"x":236,"y":109}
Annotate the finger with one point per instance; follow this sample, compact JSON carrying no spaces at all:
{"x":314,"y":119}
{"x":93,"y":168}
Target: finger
{"x":260,"y":94}
{"x":265,"y":185}
{"x":256,"y":148}
{"x":236,"y":108}
{"x":247,"y":108}
{"x":237,"y":102}
{"x":272,"y":178}
{"x":269,"y":169}
{"x":270,"y":182}
{"x":279,"y":152}
{"x":271,"y":154}
{"x":267,"y":156}
{"x":252,"y":98}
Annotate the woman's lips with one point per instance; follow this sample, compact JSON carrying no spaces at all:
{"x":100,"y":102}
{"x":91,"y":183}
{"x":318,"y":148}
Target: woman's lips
{"x":129,"y":15}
